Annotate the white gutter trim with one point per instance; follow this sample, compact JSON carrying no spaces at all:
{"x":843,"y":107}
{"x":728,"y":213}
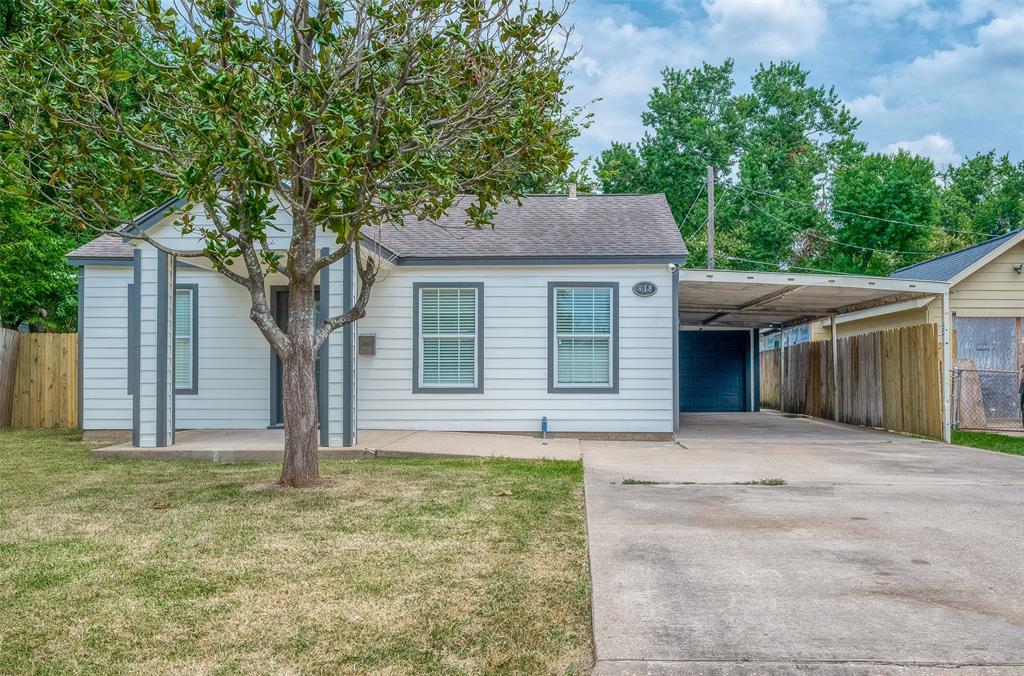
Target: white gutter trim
{"x":881,"y":310}
{"x":893,"y":284}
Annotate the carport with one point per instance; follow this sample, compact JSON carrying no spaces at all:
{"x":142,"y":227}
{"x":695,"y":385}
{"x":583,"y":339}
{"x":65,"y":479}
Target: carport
{"x":722,"y":313}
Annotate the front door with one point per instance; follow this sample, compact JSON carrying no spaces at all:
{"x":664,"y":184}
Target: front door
{"x":280,"y":306}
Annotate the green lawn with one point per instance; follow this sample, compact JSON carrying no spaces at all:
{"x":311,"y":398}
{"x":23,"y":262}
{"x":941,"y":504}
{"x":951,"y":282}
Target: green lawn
{"x":992,"y":442}
{"x":419,"y":566}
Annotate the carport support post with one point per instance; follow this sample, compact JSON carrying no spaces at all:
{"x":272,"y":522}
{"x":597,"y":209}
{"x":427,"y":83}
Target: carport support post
{"x":947,"y":364}
{"x":782,"y":370}
{"x":835,"y":371}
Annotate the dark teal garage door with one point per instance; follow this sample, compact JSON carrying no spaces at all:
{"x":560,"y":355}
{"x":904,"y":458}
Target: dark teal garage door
{"x":713,"y":371}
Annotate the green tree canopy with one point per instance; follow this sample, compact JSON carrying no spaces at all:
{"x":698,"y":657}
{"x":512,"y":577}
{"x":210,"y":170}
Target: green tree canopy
{"x":982,"y":197}
{"x":878,"y":202}
{"x":796,"y":186}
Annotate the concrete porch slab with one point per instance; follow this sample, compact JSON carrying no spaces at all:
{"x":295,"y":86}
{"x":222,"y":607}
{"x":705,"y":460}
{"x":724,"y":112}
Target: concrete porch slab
{"x":267,"y":445}
{"x":475,"y":445}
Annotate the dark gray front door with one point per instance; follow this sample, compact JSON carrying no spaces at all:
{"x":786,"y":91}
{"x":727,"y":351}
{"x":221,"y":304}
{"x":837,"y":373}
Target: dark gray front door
{"x":280,"y":306}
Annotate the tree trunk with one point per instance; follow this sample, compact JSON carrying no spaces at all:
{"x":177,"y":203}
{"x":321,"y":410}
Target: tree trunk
{"x":298,"y":392}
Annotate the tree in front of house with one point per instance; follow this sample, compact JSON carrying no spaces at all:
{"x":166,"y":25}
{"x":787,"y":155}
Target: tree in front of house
{"x":343,"y":114}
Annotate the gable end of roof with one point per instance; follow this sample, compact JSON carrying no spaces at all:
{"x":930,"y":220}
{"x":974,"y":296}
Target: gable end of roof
{"x":948,"y":267}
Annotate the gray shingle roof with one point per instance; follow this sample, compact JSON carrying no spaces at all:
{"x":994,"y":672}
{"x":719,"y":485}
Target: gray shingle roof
{"x":104,"y":246}
{"x":544,"y":226}
{"x":944,"y":268}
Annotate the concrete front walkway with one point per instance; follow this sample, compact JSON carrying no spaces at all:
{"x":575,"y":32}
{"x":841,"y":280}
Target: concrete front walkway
{"x":268,"y":444}
{"x":880,"y":554}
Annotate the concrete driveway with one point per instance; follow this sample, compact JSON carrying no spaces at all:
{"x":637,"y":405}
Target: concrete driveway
{"x":880,"y":554}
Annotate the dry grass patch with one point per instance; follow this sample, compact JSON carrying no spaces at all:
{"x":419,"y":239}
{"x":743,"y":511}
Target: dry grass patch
{"x":417,"y":566}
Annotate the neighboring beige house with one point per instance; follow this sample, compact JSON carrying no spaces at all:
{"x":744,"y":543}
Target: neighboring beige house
{"x":986,"y":299}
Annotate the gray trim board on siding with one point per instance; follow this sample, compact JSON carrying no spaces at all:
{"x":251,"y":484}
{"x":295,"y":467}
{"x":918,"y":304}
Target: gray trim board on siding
{"x":675,"y":349}
{"x":83,"y":260}
{"x":162,"y":339}
{"x":81,"y":347}
{"x":135,"y":339}
{"x":324,"y":363}
{"x":613,"y":386}
{"x":150,"y":218}
{"x":348,"y":359}
{"x":194,"y":288}
{"x":440,"y":389}
{"x":454,"y":261}
{"x":544,"y":260}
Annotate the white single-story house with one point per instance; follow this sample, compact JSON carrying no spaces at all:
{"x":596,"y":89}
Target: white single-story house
{"x":572,"y":312}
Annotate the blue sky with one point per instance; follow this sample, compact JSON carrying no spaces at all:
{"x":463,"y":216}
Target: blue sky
{"x":942,"y":79}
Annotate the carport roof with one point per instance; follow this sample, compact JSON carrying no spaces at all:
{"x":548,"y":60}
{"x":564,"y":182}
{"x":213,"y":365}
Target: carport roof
{"x":747,"y":299}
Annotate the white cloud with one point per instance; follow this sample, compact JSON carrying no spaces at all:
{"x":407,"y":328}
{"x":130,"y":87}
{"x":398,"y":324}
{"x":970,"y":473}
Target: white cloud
{"x":770,"y":28}
{"x":972,"y":91}
{"x":965,"y":83}
{"x":622,"y":52}
{"x":937,"y":147}
{"x":867,"y":106}
{"x":621,"y":58}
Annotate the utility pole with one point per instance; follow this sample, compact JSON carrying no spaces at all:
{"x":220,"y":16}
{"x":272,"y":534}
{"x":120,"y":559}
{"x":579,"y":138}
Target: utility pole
{"x":711,"y":218}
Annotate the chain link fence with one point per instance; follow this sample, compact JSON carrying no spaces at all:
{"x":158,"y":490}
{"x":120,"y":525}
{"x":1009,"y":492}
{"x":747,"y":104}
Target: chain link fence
{"x":987,"y":400}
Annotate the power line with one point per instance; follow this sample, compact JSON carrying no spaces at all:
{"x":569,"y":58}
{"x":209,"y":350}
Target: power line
{"x":692,"y":205}
{"x":853,"y":213}
{"x":727,"y":200}
{"x":778,"y":266}
{"x":835,"y":241}
{"x":867,"y":248}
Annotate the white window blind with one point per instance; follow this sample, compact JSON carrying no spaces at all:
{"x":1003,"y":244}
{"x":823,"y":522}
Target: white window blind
{"x":184,"y":335}
{"x":583,"y":333}
{"x":448,"y":342}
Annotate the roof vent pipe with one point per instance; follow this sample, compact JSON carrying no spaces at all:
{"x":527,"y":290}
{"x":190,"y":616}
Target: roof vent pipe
{"x":572,"y":190}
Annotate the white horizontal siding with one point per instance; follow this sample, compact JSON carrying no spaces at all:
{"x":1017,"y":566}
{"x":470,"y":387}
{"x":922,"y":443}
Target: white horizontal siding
{"x":234,"y":359}
{"x":105,"y":401}
{"x":515,"y":393}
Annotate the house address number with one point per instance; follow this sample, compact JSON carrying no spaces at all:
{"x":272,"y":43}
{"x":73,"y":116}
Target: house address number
{"x":645,"y":289}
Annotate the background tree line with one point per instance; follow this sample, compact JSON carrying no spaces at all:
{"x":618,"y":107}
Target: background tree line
{"x":796,"y":188}
{"x":36,"y":284}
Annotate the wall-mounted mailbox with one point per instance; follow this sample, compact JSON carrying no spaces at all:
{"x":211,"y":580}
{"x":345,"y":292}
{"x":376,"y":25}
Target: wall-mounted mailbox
{"x":367,"y":344}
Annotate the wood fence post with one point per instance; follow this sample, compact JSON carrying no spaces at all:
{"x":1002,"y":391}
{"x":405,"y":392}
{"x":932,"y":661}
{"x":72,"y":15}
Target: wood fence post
{"x":835,"y":372}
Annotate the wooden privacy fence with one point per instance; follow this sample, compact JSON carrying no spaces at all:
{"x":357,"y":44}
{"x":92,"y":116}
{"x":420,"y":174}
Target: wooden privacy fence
{"x":890,"y":379}
{"x":43,"y":390}
{"x":8,"y":362}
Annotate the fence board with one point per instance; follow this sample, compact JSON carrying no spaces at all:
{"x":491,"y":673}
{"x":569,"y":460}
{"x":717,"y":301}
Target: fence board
{"x":8,"y":365}
{"x":46,"y":381}
{"x":888,"y":379}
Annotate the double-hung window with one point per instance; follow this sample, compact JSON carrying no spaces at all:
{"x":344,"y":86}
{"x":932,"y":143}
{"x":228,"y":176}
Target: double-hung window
{"x":583,"y":323}
{"x":448,"y":320}
{"x":185,"y":345}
